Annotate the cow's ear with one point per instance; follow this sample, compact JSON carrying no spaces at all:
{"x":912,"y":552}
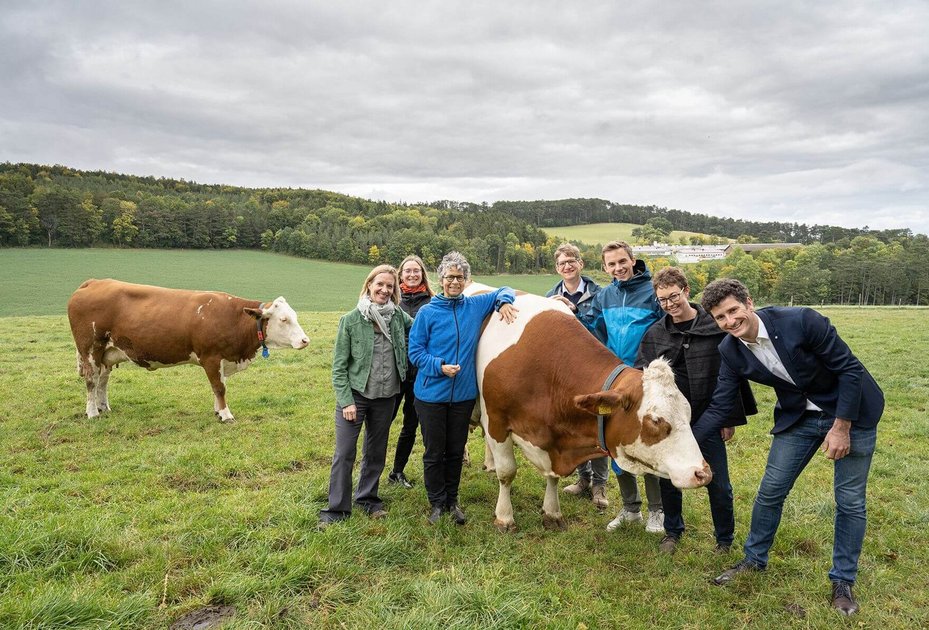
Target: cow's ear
{"x":630,"y":394}
{"x":599,"y":403}
{"x":257,"y":313}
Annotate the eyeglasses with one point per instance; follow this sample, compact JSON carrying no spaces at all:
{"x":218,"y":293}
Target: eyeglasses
{"x":453,"y":278}
{"x":671,"y":299}
{"x":566,"y":262}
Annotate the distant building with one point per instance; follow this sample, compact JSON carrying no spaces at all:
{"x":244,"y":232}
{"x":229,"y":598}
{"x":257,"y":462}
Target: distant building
{"x":697,"y":253}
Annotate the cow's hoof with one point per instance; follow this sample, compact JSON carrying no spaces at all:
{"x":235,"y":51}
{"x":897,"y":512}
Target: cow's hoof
{"x":504,"y":528}
{"x":554,"y":523}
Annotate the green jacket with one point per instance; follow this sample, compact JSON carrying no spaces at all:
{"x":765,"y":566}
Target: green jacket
{"x":354,"y":346}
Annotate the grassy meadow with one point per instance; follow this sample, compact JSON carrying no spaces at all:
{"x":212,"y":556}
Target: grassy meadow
{"x":594,"y":233}
{"x":154,"y":510}
{"x":40,"y":281}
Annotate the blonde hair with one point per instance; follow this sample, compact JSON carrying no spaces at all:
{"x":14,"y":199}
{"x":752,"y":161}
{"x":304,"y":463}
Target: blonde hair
{"x":569,"y":249}
{"x":613,"y":246}
{"x":373,"y":274}
{"x":422,"y":266}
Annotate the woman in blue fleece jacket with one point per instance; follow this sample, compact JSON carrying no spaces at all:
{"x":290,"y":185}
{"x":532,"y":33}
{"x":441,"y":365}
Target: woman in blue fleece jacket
{"x":443,"y":342}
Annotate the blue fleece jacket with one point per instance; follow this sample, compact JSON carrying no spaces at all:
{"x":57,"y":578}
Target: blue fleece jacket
{"x":622,"y":311}
{"x":446,"y":331}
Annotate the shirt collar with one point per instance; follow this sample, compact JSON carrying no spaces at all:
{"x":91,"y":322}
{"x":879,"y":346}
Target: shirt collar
{"x":762,"y":334}
{"x":580,"y":288}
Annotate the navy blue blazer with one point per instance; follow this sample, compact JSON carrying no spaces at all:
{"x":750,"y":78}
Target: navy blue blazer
{"x":820,"y":363}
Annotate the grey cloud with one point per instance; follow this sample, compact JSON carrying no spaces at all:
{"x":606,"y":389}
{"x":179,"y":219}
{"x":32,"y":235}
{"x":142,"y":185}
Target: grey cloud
{"x":782,"y":111}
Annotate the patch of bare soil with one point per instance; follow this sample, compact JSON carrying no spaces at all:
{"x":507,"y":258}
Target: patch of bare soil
{"x":204,"y":619}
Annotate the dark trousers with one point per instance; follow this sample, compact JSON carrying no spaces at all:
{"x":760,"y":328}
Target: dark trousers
{"x":375,"y":415}
{"x":410,"y":423}
{"x":720,"y":491}
{"x":445,"y":433}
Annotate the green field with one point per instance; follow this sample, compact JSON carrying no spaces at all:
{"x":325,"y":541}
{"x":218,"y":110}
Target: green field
{"x":40,"y":281}
{"x":154,"y":510}
{"x":594,"y":233}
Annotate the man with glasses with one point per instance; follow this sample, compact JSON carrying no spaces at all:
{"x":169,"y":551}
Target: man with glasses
{"x":619,"y":316}
{"x":826,"y":400}
{"x":577,"y":292}
{"x":688,"y":337}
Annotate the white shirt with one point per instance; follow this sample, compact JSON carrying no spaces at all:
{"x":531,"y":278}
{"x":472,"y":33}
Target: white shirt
{"x":766,"y":353}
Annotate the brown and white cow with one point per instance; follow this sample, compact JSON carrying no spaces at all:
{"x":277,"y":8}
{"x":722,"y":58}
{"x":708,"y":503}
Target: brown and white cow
{"x":154,"y":327}
{"x":541,"y":382}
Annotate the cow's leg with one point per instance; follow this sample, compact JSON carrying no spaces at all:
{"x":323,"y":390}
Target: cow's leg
{"x":102,"y":397}
{"x":551,"y":507}
{"x":489,"y":465}
{"x":214,"y":372}
{"x":89,"y":368}
{"x":506,"y":472}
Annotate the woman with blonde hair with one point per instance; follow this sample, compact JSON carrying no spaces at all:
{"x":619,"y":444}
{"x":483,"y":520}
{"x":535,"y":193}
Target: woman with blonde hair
{"x":368,"y":364}
{"x":414,"y":293}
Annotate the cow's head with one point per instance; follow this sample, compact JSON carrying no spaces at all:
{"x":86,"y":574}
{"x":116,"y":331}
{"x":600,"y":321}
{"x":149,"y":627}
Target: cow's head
{"x":284,"y":331}
{"x":653,"y":422}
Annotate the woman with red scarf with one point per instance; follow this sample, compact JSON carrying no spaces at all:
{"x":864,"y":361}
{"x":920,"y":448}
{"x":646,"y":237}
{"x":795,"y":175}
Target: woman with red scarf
{"x":414,"y":293}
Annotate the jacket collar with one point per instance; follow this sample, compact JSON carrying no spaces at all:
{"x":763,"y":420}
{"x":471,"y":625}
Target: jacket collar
{"x":703,"y":324}
{"x":640,"y":274}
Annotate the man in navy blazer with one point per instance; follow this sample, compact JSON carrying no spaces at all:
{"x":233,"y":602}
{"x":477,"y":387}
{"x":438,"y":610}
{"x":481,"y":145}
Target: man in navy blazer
{"x":825,"y":398}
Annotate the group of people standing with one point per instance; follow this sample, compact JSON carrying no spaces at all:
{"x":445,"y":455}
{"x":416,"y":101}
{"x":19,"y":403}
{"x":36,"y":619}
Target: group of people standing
{"x":403,"y":339}
{"x":401,"y":342}
{"x":826,"y":400}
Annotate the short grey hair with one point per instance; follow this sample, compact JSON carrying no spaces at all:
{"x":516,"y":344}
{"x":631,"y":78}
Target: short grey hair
{"x":454,"y":259}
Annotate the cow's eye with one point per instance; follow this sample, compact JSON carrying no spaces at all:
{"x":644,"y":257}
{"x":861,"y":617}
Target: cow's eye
{"x":284,"y":319}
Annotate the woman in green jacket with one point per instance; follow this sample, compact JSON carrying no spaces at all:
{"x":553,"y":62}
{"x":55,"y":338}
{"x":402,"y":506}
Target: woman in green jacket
{"x":368,"y":365}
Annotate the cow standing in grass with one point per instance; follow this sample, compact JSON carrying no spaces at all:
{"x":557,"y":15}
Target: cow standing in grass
{"x":543,"y":381}
{"x":154,"y":327}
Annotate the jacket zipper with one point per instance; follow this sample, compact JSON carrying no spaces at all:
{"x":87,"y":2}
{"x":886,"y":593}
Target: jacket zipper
{"x":451,"y":393}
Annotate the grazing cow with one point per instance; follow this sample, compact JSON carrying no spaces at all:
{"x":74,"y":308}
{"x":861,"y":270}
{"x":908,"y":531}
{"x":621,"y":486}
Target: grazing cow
{"x":153,"y":327}
{"x":543,"y":382}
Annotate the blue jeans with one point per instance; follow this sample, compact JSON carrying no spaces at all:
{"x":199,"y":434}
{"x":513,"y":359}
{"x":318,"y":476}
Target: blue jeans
{"x":790,"y":452}
{"x":720,"y":491}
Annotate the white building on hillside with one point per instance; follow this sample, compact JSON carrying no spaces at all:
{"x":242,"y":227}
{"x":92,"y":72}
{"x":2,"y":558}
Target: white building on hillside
{"x":696,"y":253}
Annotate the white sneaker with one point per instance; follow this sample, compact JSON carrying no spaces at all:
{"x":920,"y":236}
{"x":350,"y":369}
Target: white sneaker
{"x":622,"y":518}
{"x":655,"y":524}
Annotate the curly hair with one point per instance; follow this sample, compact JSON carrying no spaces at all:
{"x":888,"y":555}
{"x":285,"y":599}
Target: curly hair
{"x":718,"y":290}
{"x":454,"y":259}
{"x":670,"y":277}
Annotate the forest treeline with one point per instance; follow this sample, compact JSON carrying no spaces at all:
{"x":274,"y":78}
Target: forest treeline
{"x":57,"y":206}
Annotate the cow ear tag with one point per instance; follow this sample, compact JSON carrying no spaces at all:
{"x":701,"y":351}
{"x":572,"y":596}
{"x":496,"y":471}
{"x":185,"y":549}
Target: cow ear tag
{"x":604,"y":410}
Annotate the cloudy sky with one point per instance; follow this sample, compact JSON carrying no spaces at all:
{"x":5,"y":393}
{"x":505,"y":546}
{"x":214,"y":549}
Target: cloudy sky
{"x":815,"y":112}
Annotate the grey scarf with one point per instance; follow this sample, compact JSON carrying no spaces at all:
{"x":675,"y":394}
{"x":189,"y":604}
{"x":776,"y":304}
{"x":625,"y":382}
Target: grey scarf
{"x":377,"y":313}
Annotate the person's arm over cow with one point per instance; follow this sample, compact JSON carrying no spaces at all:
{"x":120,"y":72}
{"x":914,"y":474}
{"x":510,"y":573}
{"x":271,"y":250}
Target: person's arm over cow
{"x":725,"y":398}
{"x":498,"y":300}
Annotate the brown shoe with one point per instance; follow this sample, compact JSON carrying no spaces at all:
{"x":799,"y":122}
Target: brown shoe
{"x":598,"y":496}
{"x":842,"y":598}
{"x":668,"y":544}
{"x":727,"y":576}
{"x":579,"y":488}
{"x":457,"y":514}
